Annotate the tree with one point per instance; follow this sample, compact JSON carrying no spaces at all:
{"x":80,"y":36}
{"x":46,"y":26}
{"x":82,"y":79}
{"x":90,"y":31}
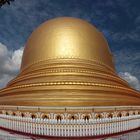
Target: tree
{"x":2,"y":2}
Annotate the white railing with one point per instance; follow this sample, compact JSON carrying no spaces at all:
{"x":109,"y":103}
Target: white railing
{"x":91,"y":127}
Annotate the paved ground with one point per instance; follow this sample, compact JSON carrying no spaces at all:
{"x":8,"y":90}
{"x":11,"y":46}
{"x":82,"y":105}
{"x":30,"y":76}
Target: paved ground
{"x":9,"y":136}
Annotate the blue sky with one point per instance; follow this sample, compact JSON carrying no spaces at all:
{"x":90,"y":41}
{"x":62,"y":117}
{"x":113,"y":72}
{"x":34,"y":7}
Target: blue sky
{"x":118,"y":20}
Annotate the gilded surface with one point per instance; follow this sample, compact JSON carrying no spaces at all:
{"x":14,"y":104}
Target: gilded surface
{"x":67,"y":62}
{"x":66,"y":38}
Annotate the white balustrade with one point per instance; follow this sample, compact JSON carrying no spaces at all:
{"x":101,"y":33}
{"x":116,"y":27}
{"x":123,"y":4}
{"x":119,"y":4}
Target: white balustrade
{"x":70,"y":127}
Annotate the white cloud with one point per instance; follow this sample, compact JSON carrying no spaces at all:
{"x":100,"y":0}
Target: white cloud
{"x":5,"y":78}
{"x":9,"y":63}
{"x":131,"y":79}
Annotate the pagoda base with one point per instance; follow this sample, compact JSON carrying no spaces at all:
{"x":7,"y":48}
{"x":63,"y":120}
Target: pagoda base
{"x":70,"y":122}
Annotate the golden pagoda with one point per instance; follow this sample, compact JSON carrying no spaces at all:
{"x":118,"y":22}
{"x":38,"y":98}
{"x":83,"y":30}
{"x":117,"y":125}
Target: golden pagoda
{"x":68,"y":86}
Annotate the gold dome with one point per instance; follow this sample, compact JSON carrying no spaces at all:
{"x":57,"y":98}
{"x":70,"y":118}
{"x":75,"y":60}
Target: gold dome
{"x":66,"y":37}
{"x":67,"y":62}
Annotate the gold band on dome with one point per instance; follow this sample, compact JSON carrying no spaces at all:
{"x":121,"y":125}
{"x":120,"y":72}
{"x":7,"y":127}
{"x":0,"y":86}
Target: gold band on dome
{"x":48,"y":61}
{"x":67,"y":83}
{"x":72,"y":73}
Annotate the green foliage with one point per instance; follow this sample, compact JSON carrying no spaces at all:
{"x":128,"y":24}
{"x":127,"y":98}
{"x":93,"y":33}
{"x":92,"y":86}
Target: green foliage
{"x":2,"y":2}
